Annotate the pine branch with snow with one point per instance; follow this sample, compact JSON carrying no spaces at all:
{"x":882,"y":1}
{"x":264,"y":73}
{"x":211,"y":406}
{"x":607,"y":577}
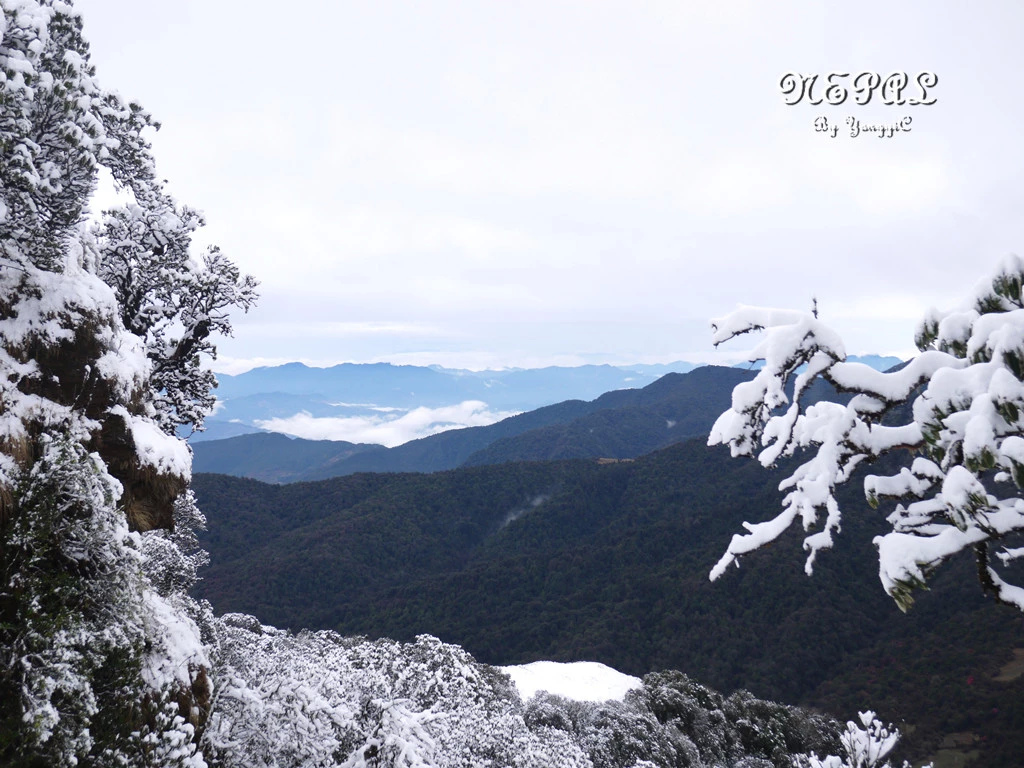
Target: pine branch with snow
{"x":960,"y":488}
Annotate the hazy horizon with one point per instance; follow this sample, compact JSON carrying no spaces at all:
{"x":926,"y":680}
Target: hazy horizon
{"x":233,"y":367}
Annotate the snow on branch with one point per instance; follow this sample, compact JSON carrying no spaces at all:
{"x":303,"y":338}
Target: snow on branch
{"x":865,"y":747}
{"x":957,"y":407}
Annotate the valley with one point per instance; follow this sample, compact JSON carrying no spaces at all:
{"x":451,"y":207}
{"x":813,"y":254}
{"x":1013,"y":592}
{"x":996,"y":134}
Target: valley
{"x":582,"y":560}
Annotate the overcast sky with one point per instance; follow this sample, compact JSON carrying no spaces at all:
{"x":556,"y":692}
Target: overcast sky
{"x":497,"y":184}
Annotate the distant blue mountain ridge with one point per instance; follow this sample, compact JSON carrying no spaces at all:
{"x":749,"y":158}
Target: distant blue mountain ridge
{"x":377,"y":392}
{"x":878,"y":362}
{"x":410,"y":386}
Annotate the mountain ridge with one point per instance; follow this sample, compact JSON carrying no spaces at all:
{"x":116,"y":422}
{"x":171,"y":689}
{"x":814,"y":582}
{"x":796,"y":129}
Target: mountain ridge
{"x":273,"y":397}
{"x":623,"y":423}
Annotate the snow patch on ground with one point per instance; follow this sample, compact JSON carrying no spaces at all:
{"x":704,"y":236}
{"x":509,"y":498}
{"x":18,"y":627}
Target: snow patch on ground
{"x":578,"y":680}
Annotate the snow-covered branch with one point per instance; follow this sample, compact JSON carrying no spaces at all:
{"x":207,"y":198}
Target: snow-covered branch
{"x":958,"y":408}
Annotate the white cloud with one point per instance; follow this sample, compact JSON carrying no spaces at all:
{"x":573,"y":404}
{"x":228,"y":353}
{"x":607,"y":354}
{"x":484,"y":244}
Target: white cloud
{"x":881,"y":306}
{"x":738,"y":185}
{"x":341,"y":329}
{"x":882,"y":182}
{"x":388,"y":429}
{"x":579,"y":165}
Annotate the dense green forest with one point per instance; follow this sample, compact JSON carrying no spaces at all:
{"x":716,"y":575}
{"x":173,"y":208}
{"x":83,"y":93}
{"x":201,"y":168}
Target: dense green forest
{"x":577,"y":560}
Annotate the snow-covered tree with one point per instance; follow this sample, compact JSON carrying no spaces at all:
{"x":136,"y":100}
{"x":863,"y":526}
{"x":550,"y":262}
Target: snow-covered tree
{"x":167,"y":298}
{"x":103,"y":662}
{"x":955,"y":411}
{"x":318,"y":699}
{"x":865,"y":746}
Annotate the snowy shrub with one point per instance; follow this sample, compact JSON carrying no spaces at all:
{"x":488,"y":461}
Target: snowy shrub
{"x":705,"y":728}
{"x":318,"y":699}
{"x":90,"y":654}
{"x":71,"y":610}
{"x":546,"y":710}
{"x":172,"y":558}
{"x":865,"y":747}
{"x":617,"y":735}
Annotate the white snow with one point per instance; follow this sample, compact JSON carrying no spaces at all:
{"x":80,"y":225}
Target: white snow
{"x":180,"y":650}
{"x":967,"y":420}
{"x":577,"y":680}
{"x":163,"y":452}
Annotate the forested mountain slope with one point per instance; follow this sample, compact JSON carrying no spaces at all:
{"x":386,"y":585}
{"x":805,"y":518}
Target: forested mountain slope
{"x":272,"y":457}
{"x":630,"y":423}
{"x":577,"y":560}
{"x":624,"y":423}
